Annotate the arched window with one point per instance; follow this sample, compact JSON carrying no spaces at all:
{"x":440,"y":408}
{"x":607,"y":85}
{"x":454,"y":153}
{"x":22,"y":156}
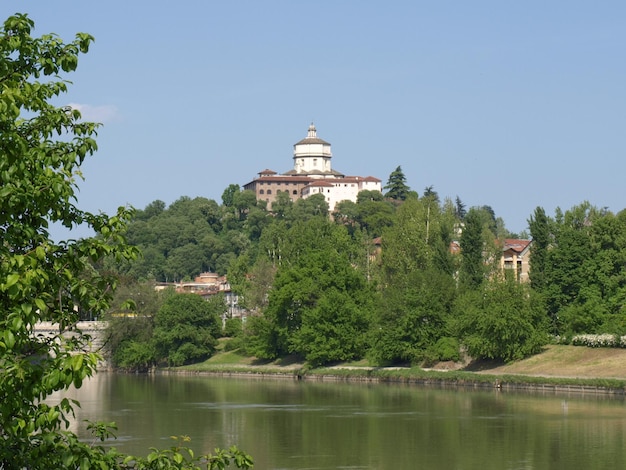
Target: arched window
{"x":262,"y":191}
{"x":269,"y":191}
{"x":295,"y":191}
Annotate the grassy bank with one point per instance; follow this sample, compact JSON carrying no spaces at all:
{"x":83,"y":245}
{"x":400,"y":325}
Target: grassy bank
{"x":557,"y":367}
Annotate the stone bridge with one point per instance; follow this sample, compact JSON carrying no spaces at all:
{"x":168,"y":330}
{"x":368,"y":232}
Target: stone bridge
{"x":95,"y":329}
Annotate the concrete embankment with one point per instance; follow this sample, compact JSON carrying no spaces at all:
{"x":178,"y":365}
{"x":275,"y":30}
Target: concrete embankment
{"x":368,"y":376}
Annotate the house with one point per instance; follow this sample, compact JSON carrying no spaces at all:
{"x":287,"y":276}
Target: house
{"x":206,"y":285}
{"x":516,"y":256}
{"x":312,"y":173}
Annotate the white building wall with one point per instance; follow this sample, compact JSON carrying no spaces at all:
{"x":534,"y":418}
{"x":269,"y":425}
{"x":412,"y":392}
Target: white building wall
{"x":341,"y":191}
{"x":371,"y":186}
{"x":305,"y":150}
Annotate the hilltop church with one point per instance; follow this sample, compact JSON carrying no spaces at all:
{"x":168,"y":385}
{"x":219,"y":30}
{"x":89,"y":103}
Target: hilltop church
{"x":311,"y":174}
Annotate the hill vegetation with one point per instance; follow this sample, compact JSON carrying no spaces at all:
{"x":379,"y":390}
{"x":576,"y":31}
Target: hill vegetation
{"x":319,"y":286}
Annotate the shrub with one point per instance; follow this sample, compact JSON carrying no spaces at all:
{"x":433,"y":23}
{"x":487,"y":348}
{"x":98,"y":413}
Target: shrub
{"x":597,"y":341}
{"x":447,"y":349}
{"x":233,"y":327}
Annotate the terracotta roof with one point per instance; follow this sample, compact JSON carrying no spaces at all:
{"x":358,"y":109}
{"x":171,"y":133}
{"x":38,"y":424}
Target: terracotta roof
{"x":315,"y":172}
{"x":267,"y":172}
{"x":322,"y":183}
{"x":369,"y":179}
{"x":516,"y":245}
{"x":281,"y":178}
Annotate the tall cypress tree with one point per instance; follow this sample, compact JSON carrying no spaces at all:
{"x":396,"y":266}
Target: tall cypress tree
{"x":540,"y":234}
{"x":472,"y":270}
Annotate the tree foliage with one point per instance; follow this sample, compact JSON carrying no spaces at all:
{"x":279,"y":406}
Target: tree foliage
{"x":460,"y":210}
{"x":540,"y":233}
{"x":472,"y":269}
{"x":370,"y":213}
{"x":396,"y":185}
{"x":42,"y":148}
{"x":419,"y":285}
{"x":502,"y":320}
{"x":584,"y":281}
{"x":413,"y":317}
{"x":192,"y":236}
{"x":319,"y":304}
{"x":186,"y":328}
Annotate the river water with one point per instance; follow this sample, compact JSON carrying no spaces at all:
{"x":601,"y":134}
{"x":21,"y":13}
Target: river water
{"x":288,"y":424}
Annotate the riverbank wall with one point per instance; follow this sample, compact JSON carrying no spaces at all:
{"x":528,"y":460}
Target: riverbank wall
{"x":481,"y":382}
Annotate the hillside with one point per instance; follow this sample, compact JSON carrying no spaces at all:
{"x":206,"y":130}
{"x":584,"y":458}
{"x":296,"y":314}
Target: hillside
{"x":565,"y":361}
{"x":554,"y":361}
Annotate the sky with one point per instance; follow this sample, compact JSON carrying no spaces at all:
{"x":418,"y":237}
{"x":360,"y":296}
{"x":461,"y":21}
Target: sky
{"x":508,"y":104}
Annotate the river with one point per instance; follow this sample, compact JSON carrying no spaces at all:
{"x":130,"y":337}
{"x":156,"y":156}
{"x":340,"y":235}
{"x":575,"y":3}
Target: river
{"x":287,"y":424}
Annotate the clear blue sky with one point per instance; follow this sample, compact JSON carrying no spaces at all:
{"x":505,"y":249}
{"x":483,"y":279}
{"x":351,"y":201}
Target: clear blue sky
{"x":509,"y":104}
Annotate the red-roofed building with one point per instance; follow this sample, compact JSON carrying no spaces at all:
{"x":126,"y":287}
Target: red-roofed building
{"x":311,"y":174}
{"x":516,"y":255}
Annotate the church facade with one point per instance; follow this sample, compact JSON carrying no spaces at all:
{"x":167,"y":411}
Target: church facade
{"x":312,"y":173}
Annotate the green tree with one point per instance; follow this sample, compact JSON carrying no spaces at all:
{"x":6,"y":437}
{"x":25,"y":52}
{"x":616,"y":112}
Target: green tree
{"x":252,"y":283}
{"x":413,"y":317}
{"x":460,"y":210}
{"x":243,"y":202}
{"x":192,"y":236}
{"x":346,"y":213}
{"x":186,"y":328}
{"x":502,"y":319}
{"x":585,"y":282}
{"x":229,"y":195}
{"x":419,"y":286}
{"x":320,"y":304}
{"x":43,"y":280}
{"x":370,"y":213}
{"x":282,"y":205}
{"x":131,"y":324}
{"x":396,"y":185}
{"x":472,"y":269}
{"x":369,"y":195}
{"x":313,"y":206}
{"x":540,"y":233}
{"x":430,"y":193}
{"x":42,"y":148}
{"x":419,"y":239}
{"x":152,"y":210}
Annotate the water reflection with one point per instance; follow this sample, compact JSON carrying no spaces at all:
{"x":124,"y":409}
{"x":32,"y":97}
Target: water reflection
{"x":288,"y":424}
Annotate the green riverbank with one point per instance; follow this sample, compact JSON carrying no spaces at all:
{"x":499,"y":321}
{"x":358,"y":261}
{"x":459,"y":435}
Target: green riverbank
{"x":557,"y":368}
